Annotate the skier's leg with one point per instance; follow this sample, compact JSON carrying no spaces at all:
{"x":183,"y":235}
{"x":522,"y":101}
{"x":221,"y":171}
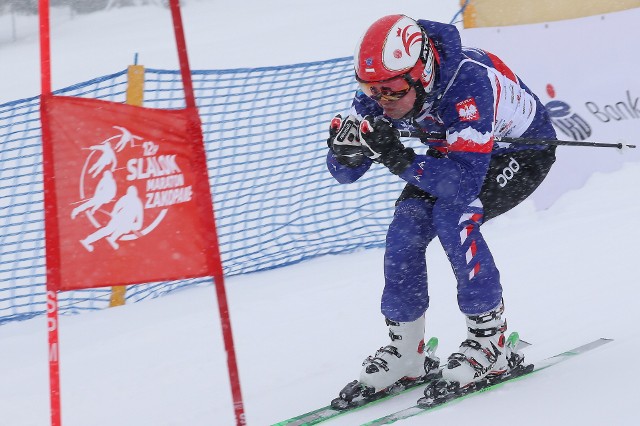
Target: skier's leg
{"x":458,"y":228}
{"x":405,"y":297}
{"x":403,"y":357}
{"x":119,"y":231}
{"x":98,"y":234}
{"x":511,"y":178}
{"x":483,"y":354}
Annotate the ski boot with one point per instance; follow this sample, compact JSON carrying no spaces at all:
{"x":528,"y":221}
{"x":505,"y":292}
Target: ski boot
{"x":440,"y":391}
{"x":482,"y":360}
{"x":404,"y":363}
{"x":515,"y":358}
{"x":483,"y":353}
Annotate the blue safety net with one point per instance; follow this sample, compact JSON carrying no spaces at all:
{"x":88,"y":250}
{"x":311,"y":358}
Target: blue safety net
{"x":265,"y":133}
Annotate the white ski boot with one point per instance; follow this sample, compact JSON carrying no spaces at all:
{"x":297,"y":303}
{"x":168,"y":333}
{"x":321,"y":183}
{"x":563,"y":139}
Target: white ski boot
{"x":405,"y":363}
{"x":404,"y":358}
{"x":484,"y":354}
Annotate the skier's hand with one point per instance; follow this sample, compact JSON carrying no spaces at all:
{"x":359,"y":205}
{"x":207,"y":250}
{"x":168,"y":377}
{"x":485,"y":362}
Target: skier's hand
{"x":381,"y":144}
{"x":344,"y":141}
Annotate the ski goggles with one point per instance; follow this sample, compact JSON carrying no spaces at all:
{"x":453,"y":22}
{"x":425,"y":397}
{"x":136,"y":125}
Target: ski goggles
{"x":389,"y":90}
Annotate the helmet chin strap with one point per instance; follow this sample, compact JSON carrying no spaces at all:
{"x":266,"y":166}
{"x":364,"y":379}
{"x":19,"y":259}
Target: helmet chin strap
{"x":429,"y":56}
{"x":421,"y":94}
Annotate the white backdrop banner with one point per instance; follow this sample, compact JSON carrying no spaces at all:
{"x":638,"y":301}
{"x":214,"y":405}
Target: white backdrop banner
{"x":586,"y":72}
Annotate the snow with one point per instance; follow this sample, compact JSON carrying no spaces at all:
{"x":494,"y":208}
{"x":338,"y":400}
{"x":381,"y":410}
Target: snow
{"x":248,"y":33}
{"x":302,"y":331}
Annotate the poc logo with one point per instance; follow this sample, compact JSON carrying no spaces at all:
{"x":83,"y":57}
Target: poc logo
{"x":508,"y":173}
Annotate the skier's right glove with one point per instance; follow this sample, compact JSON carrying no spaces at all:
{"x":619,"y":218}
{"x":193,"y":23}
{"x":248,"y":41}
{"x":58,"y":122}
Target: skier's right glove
{"x":381,"y":144}
{"x":344,"y":141}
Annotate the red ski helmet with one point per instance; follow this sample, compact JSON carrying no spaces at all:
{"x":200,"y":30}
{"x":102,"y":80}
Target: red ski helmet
{"x":393,"y":47}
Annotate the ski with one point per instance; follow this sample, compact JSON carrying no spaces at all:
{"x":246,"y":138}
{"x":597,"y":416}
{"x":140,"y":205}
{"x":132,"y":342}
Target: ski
{"x":537,"y":366}
{"x":329,"y":412}
{"x":325,"y":413}
{"x":340,"y":406}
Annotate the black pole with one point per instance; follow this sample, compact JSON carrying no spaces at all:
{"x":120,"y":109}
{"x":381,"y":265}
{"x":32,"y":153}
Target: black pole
{"x":439,"y":136}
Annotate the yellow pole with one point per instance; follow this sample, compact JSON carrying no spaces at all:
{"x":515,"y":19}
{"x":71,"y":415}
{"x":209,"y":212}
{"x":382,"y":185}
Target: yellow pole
{"x":469,"y":14}
{"x":135,"y":96}
{"x":135,"y":86}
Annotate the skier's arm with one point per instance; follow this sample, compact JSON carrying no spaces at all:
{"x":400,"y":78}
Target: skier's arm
{"x":345,"y":174}
{"x":458,"y":175}
{"x":468,"y":112}
{"x":456,"y":178}
{"x":441,"y":177}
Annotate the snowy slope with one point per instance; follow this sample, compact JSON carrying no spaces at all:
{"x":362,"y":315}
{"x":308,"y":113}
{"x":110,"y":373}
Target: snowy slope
{"x":301,"y":332}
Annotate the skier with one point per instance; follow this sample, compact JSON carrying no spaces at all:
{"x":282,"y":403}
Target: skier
{"x":104,"y":193}
{"x":415,"y":75}
{"x":126,"y":217}
{"x":108,"y":157}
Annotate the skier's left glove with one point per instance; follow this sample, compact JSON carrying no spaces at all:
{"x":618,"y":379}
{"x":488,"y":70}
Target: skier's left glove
{"x":344,"y":141}
{"x":381,"y":144}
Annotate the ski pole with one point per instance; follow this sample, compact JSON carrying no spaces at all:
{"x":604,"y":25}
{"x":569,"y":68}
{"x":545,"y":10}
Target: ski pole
{"x":521,"y":141}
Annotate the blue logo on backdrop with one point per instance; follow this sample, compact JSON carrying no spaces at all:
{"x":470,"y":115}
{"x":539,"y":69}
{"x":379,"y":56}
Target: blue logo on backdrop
{"x":565,"y":120}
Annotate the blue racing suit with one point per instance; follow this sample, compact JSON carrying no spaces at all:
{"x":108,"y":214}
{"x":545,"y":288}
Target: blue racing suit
{"x":476,"y":100}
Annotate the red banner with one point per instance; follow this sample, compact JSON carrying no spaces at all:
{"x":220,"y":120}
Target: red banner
{"x":130,"y":201}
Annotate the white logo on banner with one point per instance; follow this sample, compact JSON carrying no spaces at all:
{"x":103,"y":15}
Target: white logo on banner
{"x":103,"y":174}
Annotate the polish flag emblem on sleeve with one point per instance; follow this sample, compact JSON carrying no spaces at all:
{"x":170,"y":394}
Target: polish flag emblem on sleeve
{"x":468,"y":110}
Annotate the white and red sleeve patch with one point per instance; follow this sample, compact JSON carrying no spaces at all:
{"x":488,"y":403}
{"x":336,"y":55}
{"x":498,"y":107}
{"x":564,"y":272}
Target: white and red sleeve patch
{"x":470,"y":140}
{"x":468,"y":110}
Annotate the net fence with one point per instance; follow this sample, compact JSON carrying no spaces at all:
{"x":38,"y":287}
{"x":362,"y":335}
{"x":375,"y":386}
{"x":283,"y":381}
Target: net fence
{"x":265,"y":133}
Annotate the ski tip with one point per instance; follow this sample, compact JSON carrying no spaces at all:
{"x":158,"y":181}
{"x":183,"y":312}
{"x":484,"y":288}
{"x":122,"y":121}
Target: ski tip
{"x":523,"y":344}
